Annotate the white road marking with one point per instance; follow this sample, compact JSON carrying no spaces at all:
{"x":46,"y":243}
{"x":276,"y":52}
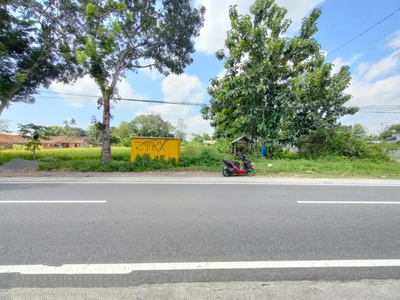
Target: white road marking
{"x":89,"y":269}
{"x":54,"y":201}
{"x":205,"y":183}
{"x":347,"y":202}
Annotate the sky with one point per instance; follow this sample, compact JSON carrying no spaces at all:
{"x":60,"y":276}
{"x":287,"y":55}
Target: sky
{"x":374,"y":59}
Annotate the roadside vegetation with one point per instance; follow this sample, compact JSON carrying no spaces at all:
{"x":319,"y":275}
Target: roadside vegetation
{"x":197,"y":157}
{"x":279,"y":92}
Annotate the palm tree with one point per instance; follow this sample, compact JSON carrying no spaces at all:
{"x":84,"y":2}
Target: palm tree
{"x":72,"y":122}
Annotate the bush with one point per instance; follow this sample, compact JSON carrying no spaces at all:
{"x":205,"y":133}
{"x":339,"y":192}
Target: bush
{"x":340,"y":141}
{"x":200,"y":156}
{"x":141,"y":163}
{"x":287,"y":155}
{"x":223,"y":145}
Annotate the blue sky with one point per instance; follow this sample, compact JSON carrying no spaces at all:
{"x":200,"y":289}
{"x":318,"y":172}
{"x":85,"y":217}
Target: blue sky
{"x":374,"y":60}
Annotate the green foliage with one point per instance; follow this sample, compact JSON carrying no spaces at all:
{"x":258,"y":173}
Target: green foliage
{"x":118,"y":36}
{"x":152,"y":125}
{"x":125,"y":130}
{"x":340,"y":142}
{"x":67,"y":130}
{"x":76,"y":154}
{"x":94,"y":132}
{"x":34,"y":50}
{"x":207,"y":158}
{"x":286,"y":154}
{"x":200,"y":156}
{"x":275,"y":87}
{"x":223,"y":145}
{"x":333,"y":167}
{"x":35,"y":134}
{"x":126,"y":142}
{"x":199,"y":139}
{"x":359,"y":130}
{"x":141,"y":163}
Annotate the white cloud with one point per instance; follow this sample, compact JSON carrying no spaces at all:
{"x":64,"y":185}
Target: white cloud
{"x":182,"y":88}
{"x":376,"y":84}
{"x":395,"y":40}
{"x":382,"y":92}
{"x":217,"y":21}
{"x":198,"y":125}
{"x":152,"y":72}
{"x":79,"y":93}
{"x":86,"y":90}
{"x":362,"y":68}
{"x":338,"y":63}
{"x":384,"y":67}
{"x":379,"y":93}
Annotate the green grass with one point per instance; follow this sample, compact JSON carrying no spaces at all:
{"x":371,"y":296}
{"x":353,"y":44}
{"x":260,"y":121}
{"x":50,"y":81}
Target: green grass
{"x":205,"y":158}
{"x":328,"y":167}
{"x":118,"y":153}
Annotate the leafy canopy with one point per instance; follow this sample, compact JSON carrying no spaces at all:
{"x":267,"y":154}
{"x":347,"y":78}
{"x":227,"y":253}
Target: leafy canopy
{"x":275,"y":87}
{"x":35,"y":134}
{"x":153,"y":125}
{"x":34,"y":50}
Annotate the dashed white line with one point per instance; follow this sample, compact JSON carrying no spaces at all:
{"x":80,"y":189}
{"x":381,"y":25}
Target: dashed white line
{"x":104,"y":269}
{"x":347,"y":202}
{"x":53,"y":201}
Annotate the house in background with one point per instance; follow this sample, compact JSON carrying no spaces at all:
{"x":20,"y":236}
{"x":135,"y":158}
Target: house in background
{"x":7,"y":141}
{"x":209,"y":142}
{"x":66,"y":142}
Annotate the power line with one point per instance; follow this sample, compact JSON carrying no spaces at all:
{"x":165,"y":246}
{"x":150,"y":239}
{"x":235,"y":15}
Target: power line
{"x":364,"y":32}
{"x":77,"y":96}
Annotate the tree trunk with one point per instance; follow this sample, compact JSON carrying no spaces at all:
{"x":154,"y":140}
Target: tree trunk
{"x":106,"y":148}
{"x":34,"y":152}
{"x":2,"y":107}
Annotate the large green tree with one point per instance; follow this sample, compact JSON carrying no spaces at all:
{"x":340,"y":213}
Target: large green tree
{"x":153,"y":125}
{"x":34,"y":49}
{"x":122,"y":35}
{"x":275,"y":87}
{"x":125,"y":130}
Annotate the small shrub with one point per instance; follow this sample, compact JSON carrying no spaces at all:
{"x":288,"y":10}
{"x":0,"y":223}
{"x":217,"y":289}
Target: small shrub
{"x":223,"y":145}
{"x":206,"y":156}
{"x":340,"y":141}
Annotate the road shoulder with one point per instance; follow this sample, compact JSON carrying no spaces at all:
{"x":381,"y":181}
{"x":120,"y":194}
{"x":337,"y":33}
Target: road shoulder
{"x":300,"y":290}
{"x":194,"y":178}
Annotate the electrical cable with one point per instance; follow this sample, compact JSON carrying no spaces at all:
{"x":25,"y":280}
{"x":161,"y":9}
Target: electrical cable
{"x":77,"y":96}
{"x":364,"y":32}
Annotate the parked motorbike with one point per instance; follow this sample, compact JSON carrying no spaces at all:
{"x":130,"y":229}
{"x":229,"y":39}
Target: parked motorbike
{"x":232,"y":167}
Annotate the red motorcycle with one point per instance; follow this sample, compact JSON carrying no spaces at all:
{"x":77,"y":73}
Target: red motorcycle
{"x":232,"y":167}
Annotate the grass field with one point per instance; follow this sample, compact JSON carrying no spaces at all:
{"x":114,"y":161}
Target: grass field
{"x":118,"y":153}
{"x":205,"y":158}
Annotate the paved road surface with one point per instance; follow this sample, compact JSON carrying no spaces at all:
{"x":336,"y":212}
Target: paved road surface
{"x":67,"y":234}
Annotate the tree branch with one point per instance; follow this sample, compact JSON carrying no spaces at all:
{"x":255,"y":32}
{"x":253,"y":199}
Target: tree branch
{"x":142,"y":67}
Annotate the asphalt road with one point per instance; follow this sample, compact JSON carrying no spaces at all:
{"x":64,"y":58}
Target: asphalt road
{"x":158,"y":223}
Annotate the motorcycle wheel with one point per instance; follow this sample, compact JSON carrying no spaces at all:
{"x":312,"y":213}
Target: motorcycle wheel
{"x":250,"y":171}
{"x":225,"y":172}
